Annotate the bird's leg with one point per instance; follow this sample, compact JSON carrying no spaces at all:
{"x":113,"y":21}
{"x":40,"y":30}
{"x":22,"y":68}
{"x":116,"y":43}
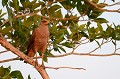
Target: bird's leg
{"x":36,"y":61}
{"x":42,"y":60}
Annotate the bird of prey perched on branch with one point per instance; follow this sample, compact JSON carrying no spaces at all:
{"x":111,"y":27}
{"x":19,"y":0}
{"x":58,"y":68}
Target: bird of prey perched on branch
{"x":38,"y":40}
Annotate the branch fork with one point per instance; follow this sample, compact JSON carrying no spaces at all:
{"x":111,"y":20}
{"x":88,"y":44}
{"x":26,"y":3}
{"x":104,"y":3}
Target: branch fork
{"x":38,"y":67}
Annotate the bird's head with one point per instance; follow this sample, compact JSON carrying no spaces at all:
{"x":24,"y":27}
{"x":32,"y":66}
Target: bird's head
{"x":45,"y":22}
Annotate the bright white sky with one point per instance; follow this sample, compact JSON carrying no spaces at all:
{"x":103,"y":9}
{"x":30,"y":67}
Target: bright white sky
{"x":96,"y":67}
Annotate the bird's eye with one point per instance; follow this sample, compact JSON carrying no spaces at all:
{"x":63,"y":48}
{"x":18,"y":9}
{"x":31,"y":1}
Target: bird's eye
{"x":44,"y":21}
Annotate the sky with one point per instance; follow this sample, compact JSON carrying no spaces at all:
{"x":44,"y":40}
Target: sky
{"x":96,"y":67}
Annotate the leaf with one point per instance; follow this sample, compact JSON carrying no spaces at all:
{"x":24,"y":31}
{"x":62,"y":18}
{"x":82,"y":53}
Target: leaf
{"x":57,"y":14}
{"x":2,"y":15}
{"x":113,"y":34}
{"x":44,"y":11}
{"x":95,"y":13}
{"x":55,"y":47}
{"x":68,"y":44}
{"x":113,"y":0}
{"x":82,"y":27}
{"x":16,"y":4}
{"x":10,"y":17}
{"x":100,"y":20}
{"x":61,"y":48}
{"x":0,"y":11}
{"x":80,"y":7}
{"x":99,"y":28}
{"x":4,"y":72}
{"x":26,"y":4}
{"x":6,"y":30}
{"x":98,"y":43}
{"x":4,"y":2}
{"x":11,"y":4}
{"x":53,"y":29}
{"x":49,"y":54}
{"x":59,"y":39}
{"x":22,"y":1}
{"x":29,"y":77}
{"x":110,"y":32}
{"x":76,"y":36}
{"x":67,"y":4}
{"x":84,"y":34}
{"x":33,"y":2}
{"x":36,"y":5}
{"x":118,"y":37}
{"x":92,"y":34}
{"x":16,"y":74}
{"x":54,"y":8}
{"x":45,"y":59}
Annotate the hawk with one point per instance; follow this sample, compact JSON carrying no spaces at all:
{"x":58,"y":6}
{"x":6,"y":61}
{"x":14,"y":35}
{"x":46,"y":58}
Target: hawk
{"x":39,"y":39}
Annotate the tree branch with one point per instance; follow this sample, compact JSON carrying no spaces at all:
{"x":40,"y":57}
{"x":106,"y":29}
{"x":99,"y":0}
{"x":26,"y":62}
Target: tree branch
{"x":97,"y":7}
{"x":100,"y":45}
{"x":3,"y":51}
{"x":56,"y":68}
{"x":82,"y":54}
{"x":29,"y":60}
{"x":117,"y":3}
{"x":63,"y":55}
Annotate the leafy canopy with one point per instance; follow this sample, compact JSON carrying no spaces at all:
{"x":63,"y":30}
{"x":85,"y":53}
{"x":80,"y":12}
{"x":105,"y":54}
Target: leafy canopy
{"x":66,"y":22}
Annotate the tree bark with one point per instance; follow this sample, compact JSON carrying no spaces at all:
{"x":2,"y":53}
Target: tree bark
{"x":29,"y":60}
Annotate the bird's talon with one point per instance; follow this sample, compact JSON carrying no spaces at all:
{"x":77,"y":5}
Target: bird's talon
{"x":36,"y":63}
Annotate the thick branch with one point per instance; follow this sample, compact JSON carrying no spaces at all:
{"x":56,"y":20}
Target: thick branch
{"x":29,"y":60}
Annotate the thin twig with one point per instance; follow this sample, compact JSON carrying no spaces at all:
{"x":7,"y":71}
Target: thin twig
{"x":115,"y":44}
{"x":117,"y":49}
{"x":117,"y":3}
{"x":100,"y":45}
{"x":56,"y":68}
{"x":80,"y":43}
{"x":11,"y":59}
{"x":83,"y":54}
{"x":4,"y":51}
{"x":97,"y":7}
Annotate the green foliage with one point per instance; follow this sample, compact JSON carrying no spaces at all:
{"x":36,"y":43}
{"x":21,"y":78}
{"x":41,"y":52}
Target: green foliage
{"x":54,"y":11}
{"x":16,"y":74}
{"x":5,"y":73}
{"x":64,"y":28}
{"x":4,"y":2}
{"x":10,"y":16}
{"x":29,"y":77}
{"x":100,"y":20}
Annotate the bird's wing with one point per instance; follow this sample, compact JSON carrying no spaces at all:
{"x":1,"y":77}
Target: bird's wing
{"x":31,"y":42}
